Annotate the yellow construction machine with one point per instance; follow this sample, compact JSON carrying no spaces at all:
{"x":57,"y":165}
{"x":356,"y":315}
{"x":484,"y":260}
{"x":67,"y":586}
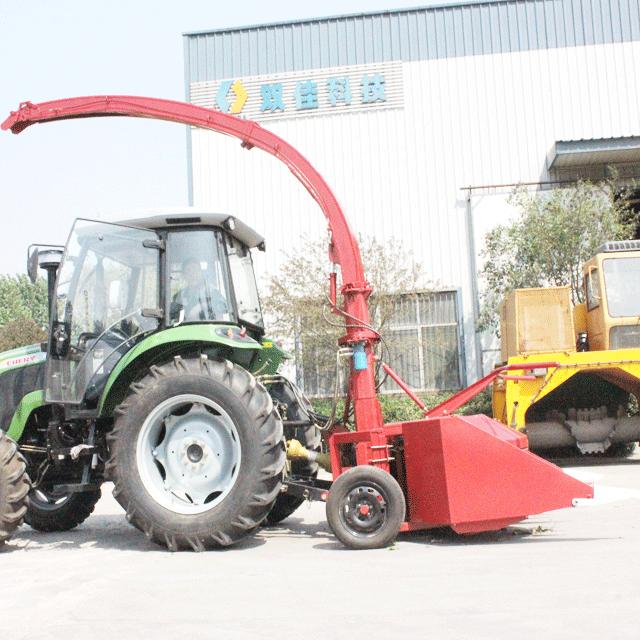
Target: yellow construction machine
{"x":586,"y":395}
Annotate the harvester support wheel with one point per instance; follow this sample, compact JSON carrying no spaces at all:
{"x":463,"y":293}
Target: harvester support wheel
{"x":366,"y":508}
{"x":197,"y":454}
{"x":53,"y":512}
{"x":14,"y":488}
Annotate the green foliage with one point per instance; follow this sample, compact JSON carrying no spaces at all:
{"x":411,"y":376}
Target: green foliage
{"x":402,"y":408}
{"x":20,"y":299}
{"x":23,"y":311}
{"x":480,"y":404}
{"x":548,"y":242}
{"x":394,"y":408}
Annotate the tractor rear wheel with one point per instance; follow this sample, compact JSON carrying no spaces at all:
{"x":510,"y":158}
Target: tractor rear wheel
{"x":366,"y":508}
{"x":197,"y":454}
{"x":14,"y":488}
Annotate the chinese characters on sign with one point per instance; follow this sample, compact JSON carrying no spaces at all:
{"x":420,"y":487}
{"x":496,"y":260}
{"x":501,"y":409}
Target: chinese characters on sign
{"x":309,"y":94}
{"x":312,"y":92}
{"x":271,"y":97}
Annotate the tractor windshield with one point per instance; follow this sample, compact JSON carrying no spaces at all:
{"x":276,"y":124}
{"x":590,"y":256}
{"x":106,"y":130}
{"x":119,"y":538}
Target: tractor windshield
{"x":621,"y":277}
{"x":244,"y":282}
{"x":106,"y":297}
{"x":211,"y":282}
{"x":198,"y":277}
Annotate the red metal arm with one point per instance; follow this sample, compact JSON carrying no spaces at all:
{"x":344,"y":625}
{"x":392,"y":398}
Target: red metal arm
{"x":250,"y":133}
{"x":344,"y":250}
{"x":462,"y":397}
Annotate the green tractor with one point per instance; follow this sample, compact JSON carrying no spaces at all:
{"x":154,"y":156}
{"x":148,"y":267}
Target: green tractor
{"x":151,"y":379}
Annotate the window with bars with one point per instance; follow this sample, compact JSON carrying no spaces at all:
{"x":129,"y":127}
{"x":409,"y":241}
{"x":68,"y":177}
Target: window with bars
{"x":424,"y":339}
{"x":422,"y":333}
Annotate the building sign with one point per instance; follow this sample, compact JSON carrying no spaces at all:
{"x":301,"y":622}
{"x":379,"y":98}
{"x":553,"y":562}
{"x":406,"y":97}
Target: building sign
{"x":305,"y":93}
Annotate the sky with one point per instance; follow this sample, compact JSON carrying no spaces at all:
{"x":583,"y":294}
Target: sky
{"x":51,"y":174}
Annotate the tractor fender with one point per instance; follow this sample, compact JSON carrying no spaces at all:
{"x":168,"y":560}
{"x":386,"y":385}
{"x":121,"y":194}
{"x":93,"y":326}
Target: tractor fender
{"x":25,"y":408}
{"x":22,"y":357}
{"x":159,"y":348}
{"x":21,"y":380}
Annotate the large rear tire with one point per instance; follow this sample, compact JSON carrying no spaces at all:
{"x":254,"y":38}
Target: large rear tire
{"x":197,"y":454}
{"x":14,"y":488}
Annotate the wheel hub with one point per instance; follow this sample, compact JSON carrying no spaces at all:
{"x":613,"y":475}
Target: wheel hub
{"x":188,"y":453}
{"x":364,"y":509}
{"x":195,"y":452}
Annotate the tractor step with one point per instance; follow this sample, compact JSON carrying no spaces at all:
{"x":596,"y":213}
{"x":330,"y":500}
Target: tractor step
{"x":63,"y":489}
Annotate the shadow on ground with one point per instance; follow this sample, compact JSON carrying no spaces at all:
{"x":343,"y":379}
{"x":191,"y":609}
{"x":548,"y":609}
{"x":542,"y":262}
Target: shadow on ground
{"x":100,"y":532}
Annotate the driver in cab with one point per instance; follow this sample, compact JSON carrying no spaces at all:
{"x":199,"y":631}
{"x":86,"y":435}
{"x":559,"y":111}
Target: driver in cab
{"x":199,"y":299}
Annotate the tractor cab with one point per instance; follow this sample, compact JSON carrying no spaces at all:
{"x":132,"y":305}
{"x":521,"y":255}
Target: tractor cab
{"x":119,"y":283}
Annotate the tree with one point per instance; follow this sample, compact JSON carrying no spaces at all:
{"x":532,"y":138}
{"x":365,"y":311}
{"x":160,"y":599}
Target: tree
{"x":23,"y":311}
{"x":549,"y":241}
{"x":297,"y":307}
{"x":20,"y":333}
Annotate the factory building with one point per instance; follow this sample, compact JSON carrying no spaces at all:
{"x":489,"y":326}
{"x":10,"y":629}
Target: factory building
{"x":422,"y":121}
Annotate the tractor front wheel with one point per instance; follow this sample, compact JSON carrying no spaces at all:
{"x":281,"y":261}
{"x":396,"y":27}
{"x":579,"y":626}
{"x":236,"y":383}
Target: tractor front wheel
{"x":14,"y":488}
{"x":54,"y":512}
{"x":197,"y":454}
{"x":366,"y":508}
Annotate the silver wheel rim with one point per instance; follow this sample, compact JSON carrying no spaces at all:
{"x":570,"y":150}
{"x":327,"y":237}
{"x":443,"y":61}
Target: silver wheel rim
{"x":48,"y":501}
{"x":188,"y":454}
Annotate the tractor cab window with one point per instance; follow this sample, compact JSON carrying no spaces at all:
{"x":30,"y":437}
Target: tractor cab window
{"x":198,"y":281}
{"x":592,"y":289}
{"x":244,"y":282}
{"x":106,"y":297}
{"x":621,"y":277}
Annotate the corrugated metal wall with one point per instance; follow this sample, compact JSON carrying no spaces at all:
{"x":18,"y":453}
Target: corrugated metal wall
{"x":490,"y":118}
{"x":475,"y":28}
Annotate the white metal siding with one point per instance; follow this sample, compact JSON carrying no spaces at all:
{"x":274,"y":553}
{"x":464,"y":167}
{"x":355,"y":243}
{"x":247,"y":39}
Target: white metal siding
{"x":467,"y":121}
{"x":459,"y":30}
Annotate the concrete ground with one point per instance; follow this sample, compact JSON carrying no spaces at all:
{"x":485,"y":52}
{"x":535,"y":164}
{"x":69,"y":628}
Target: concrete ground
{"x":572,"y":573}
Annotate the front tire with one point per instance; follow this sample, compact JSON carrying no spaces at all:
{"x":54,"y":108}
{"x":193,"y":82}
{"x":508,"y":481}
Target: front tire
{"x":197,"y":454}
{"x":14,"y":488}
{"x":366,"y":508}
{"x":52,"y":512}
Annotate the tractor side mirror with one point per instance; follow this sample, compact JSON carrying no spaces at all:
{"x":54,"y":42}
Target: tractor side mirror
{"x":32,"y":265}
{"x":47,"y":257}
